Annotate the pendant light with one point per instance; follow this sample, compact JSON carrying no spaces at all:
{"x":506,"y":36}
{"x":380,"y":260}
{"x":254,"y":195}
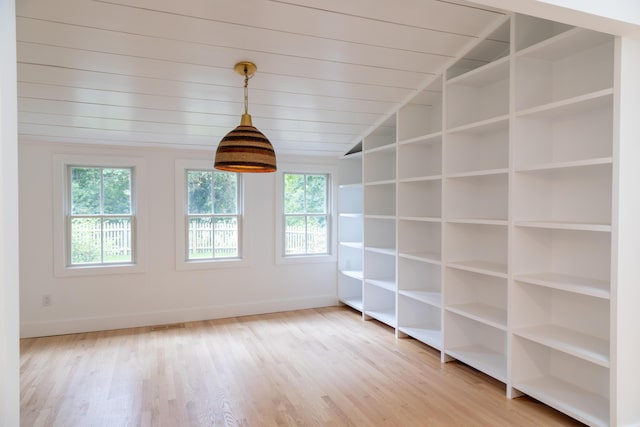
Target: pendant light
{"x":245,"y":149}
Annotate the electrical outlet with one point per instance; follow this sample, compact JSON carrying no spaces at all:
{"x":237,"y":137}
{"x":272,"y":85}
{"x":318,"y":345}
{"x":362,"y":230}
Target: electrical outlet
{"x":46,"y":300}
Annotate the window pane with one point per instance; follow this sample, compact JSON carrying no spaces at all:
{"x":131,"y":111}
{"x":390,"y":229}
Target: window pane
{"x":85,"y":191}
{"x":225,"y":193}
{"x":116,"y":185}
{"x":226,"y":237}
{"x":293,"y":193}
{"x":200,"y":238}
{"x":316,"y":193}
{"x":86,"y":239}
{"x":199,"y":192}
{"x":116,"y":239}
{"x":317,"y":235}
{"x":294,"y":235}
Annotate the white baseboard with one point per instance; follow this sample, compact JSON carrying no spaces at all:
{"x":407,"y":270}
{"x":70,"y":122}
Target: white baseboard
{"x":90,"y":324}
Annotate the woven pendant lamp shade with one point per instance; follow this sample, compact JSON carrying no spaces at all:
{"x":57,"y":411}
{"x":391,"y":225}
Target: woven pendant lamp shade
{"x":245,"y":149}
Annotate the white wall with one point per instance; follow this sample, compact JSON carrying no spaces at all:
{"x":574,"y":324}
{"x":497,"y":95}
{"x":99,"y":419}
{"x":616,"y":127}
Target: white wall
{"x":161,"y":294}
{"x":9,"y":345}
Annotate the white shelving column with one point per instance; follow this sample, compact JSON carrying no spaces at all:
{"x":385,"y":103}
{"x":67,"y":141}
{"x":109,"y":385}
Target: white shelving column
{"x":625,"y":292}
{"x":420,"y":217}
{"x":476,"y":214}
{"x":350,"y":230}
{"x":379,"y":172}
{"x":562,"y":202}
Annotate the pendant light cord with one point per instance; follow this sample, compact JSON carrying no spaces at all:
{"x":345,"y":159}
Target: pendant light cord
{"x":246,"y":90}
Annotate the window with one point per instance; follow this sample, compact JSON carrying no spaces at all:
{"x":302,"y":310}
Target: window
{"x":306,"y":214}
{"x":213,"y":215}
{"x":99,"y":212}
{"x":100,"y":216}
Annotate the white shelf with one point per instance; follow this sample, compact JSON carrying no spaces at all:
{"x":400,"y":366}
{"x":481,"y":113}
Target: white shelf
{"x":390,"y":217}
{"x":427,"y":297}
{"x":356,"y":274}
{"x":385,"y":316}
{"x":431,"y":337}
{"x":483,"y":127}
{"x":420,"y":218}
{"x":350,"y":185}
{"x":388,"y":285}
{"x":383,"y":251}
{"x":570,"y":133}
{"x":580,"y":285}
{"x":351,"y":215}
{"x":486,"y":360}
{"x":591,"y":349}
{"x":386,"y":147}
{"x":430,"y":257}
{"x":354,"y":245}
{"x":485,"y":75}
{"x":567,"y":165}
{"x":578,"y":403}
{"x":557,"y":47}
{"x":485,"y":123}
{"x":564,"y":225}
{"x":483,"y":313}
{"x":479,"y":221}
{"x":500,"y":171}
{"x":569,"y":106}
{"x":482,"y":267}
{"x":428,"y":138}
{"x":421,"y":178}
{"x":380,"y":182}
{"x":353,"y":302}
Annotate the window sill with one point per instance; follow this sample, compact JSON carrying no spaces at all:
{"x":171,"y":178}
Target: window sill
{"x":99,"y":270}
{"x":305,"y":259}
{"x":211,"y":264}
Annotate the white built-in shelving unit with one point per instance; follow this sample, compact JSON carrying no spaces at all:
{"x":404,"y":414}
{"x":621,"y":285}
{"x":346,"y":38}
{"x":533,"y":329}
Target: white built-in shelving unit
{"x":350,"y":230}
{"x":379,"y":178}
{"x":483,"y":223}
{"x":419,"y":187}
{"x":562,"y":214}
{"x":476,"y":199}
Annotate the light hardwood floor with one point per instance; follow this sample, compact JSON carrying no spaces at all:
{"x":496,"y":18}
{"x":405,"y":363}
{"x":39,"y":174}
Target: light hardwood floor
{"x":320,"y":367}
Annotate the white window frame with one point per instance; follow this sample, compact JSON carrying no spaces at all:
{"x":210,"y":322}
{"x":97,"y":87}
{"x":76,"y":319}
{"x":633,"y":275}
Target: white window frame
{"x":308,"y":169}
{"x":181,"y":221}
{"x":61,"y":205}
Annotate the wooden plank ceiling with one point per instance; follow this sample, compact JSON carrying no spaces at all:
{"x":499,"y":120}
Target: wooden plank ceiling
{"x":160,"y":72}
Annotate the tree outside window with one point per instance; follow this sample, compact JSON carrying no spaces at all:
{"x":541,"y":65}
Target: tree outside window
{"x":100,"y":219}
{"x":306,"y":214}
{"x":213,"y":215}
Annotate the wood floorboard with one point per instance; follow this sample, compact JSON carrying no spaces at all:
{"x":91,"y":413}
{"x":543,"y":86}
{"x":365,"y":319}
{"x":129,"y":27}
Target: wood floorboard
{"x":318,"y":367}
